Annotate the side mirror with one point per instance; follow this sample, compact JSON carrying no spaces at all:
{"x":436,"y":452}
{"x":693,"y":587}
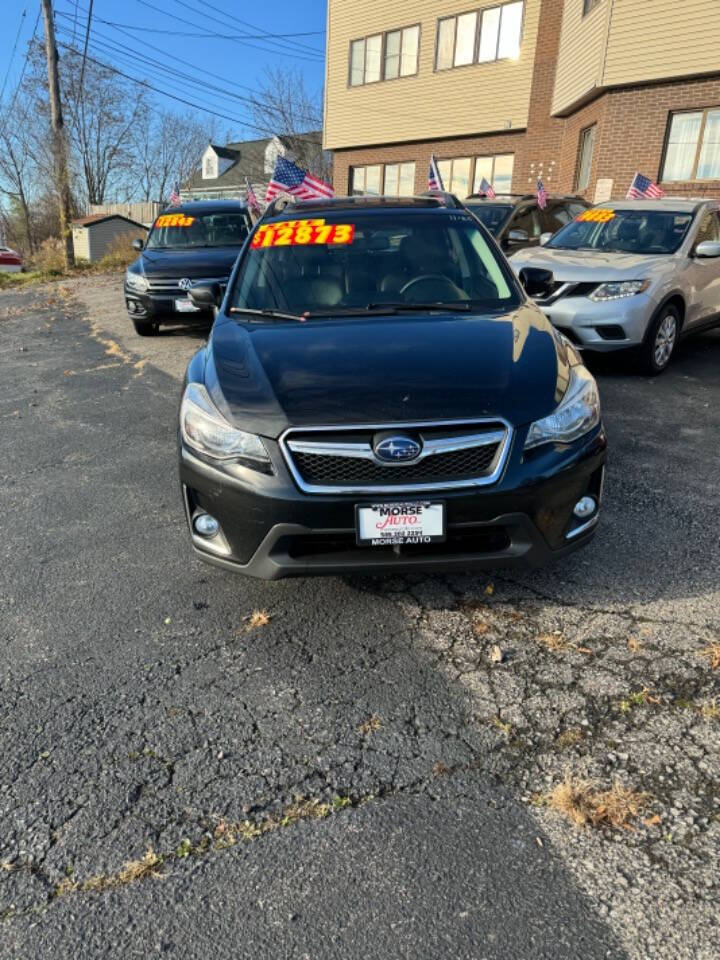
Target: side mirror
{"x":518,"y":236}
{"x":544,"y":237}
{"x":708,"y":248}
{"x":537,"y":282}
{"x":138,"y":244}
{"x":206,"y":295}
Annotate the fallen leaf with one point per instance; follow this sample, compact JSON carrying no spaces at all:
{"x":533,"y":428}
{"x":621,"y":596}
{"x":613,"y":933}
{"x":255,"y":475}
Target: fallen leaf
{"x":586,"y":650}
{"x":490,"y":589}
{"x":496,"y":654}
{"x":167,"y":621}
{"x":480,"y":628}
{"x":652,"y":821}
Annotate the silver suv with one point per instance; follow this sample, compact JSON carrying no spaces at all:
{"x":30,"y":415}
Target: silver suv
{"x":630,"y":273}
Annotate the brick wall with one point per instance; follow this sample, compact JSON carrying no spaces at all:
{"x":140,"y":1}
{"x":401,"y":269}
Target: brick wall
{"x":419,"y":152}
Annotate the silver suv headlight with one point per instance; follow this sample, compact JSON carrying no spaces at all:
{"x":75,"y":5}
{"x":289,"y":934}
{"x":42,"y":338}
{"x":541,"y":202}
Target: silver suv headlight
{"x":205,"y":429}
{"x":136,"y":281}
{"x":617,"y":289}
{"x":576,"y":414}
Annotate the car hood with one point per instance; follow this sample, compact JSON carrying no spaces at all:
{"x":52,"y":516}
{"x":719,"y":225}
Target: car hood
{"x":193,"y":262}
{"x":591,"y":265}
{"x":268,"y":376}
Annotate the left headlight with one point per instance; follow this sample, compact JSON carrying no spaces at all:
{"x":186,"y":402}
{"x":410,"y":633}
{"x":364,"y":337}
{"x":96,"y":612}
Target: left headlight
{"x":617,"y":289}
{"x":577,"y":413}
{"x":205,"y":429}
{"x":136,"y":281}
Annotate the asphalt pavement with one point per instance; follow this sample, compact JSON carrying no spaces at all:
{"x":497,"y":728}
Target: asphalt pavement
{"x":356,"y":776}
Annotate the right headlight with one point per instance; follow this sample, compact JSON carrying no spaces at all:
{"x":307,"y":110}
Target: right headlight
{"x":136,"y":281}
{"x":576,"y":414}
{"x":206,"y":430}
{"x":617,"y":289}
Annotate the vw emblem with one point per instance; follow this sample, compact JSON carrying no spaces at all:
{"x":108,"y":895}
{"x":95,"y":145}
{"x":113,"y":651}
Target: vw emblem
{"x":185,"y":283}
{"x":397,"y":449}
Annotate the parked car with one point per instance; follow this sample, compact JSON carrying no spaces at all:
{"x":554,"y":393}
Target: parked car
{"x":633,"y":273}
{"x":516,"y":221}
{"x":192,"y":243}
{"x":10,"y":260}
{"x":379,"y":393}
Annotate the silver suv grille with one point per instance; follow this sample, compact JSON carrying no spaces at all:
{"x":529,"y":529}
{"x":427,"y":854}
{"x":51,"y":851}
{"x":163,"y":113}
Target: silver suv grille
{"x":342,"y":460}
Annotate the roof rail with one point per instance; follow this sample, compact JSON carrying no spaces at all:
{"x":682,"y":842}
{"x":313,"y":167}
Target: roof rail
{"x":429,"y":199}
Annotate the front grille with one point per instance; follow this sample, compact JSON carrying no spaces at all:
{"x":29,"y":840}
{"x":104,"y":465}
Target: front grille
{"x":350,"y":471}
{"x":168,"y":286}
{"x":342,"y":459}
{"x":566,"y":288}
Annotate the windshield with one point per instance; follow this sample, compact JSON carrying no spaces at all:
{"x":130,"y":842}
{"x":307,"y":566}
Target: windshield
{"x":492,"y":216}
{"x":199,"y":230}
{"x":345,"y":263}
{"x":624,"y":231}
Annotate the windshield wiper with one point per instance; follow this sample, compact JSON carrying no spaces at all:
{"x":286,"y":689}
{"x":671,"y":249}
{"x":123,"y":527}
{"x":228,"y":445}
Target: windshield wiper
{"x":397,"y":307}
{"x":269,"y":314}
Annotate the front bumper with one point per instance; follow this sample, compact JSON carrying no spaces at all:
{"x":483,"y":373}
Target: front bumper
{"x":606,"y":325}
{"x":270,"y":529}
{"x":151,"y":306}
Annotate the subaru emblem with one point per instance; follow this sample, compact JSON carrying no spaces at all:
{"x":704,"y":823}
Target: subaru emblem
{"x":396,"y":449}
{"x":185,"y":283}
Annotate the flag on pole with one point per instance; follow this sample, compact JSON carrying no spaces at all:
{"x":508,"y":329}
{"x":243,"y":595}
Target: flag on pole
{"x":175,"y":196}
{"x":435,"y":181}
{"x":252,"y":199}
{"x":542,"y":195}
{"x":486,"y":189}
{"x":288,"y":177}
{"x":643,"y":188}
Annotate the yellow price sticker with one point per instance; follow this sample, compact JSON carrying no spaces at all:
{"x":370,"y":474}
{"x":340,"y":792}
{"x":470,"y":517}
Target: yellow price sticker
{"x":596,"y":216}
{"x":174,"y":220}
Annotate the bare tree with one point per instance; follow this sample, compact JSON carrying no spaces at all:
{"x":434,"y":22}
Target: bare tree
{"x":283,"y":107}
{"x":16,"y":171}
{"x":166,"y":150}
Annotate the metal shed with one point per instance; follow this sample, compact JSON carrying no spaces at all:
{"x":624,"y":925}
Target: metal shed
{"x":93,"y":235}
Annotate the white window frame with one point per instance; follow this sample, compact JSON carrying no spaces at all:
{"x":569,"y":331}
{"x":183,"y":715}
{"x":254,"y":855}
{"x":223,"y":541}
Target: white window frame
{"x":480,"y":15}
{"x":704,"y":111}
{"x":405,"y":34}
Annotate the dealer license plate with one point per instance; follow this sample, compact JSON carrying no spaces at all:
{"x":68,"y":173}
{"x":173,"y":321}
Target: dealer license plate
{"x":186,"y":306}
{"x":380,"y":524}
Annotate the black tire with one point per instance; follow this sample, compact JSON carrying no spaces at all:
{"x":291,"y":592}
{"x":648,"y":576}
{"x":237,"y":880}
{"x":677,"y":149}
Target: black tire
{"x":660,"y":340}
{"x":146,"y":328}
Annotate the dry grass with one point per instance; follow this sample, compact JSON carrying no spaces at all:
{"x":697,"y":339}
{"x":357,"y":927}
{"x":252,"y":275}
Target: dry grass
{"x":712,"y":654}
{"x":133,"y":870}
{"x":710,"y":711}
{"x":568,"y":738}
{"x":585,"y":804}
{"x":634,"y":644}
{"x":440,"y":769}
{"x":480,"y":628}
{"x":120,"y":253}
{"x":228,"y":833}
{"x":371,"y":725}
{"x":501,"y":725}
{"x":557,"y":643}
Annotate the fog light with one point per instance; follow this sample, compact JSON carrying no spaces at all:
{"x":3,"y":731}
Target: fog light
{"x":206,"y":525}
{"x":584,"y":508}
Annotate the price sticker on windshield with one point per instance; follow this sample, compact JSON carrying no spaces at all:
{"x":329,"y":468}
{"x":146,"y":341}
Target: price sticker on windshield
{"x":302,"y":233}
{"x":596,"y":216}
{"x":174,"y":220}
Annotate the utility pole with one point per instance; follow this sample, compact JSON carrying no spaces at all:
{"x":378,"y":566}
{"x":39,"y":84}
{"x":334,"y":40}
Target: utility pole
{"x":59,"y":140}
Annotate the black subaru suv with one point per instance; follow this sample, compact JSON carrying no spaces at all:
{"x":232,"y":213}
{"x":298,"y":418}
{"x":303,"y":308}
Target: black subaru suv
{"x":516,"y":221}
{"x":379,"y":393}
{"x":196,"y":242}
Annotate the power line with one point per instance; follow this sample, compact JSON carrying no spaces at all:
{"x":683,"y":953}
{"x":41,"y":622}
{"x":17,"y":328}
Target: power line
{"x":22,"y":74}
{"x":211,"y":36}
{"x":314,"y":58}
{"x":12,"y":55}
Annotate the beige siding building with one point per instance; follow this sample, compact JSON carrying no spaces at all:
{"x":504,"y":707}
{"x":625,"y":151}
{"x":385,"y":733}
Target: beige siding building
{"x":94,"y":236}
{"x":572,"y":91}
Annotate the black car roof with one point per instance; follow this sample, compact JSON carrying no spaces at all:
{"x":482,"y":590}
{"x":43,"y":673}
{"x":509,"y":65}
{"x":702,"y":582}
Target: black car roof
{"x":438,"y":203}
{"x":517,"y":198}
{"x":208,"y":206}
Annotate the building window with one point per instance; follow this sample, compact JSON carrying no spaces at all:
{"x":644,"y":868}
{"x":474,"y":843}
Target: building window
{"x":589,"y":5}
{"x":480,"y":36}
{"x":455,"y":175}
{"x":496,"y":170}
{"x":393,"y":180}
{"x":384,"y":56}
{"x":585,"y":157}
{"x":692,"y":150}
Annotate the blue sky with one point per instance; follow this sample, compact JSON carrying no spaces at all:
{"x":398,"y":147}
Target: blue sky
{"x":235,"y":65}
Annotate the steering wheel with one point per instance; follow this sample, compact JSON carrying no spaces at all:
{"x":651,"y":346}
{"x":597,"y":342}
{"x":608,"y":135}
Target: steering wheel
{"x":433,"y":277}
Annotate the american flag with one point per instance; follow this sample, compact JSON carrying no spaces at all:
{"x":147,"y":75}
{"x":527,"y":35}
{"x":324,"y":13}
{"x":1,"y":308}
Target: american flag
{"x":643,"y":188}
{"x":435,"y":181}
{"x":487,"y":189}
{"x":252,"y":199}
{"x":542,"y":195}
{"x":288,"y":177}
{"x":175,"y":196}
